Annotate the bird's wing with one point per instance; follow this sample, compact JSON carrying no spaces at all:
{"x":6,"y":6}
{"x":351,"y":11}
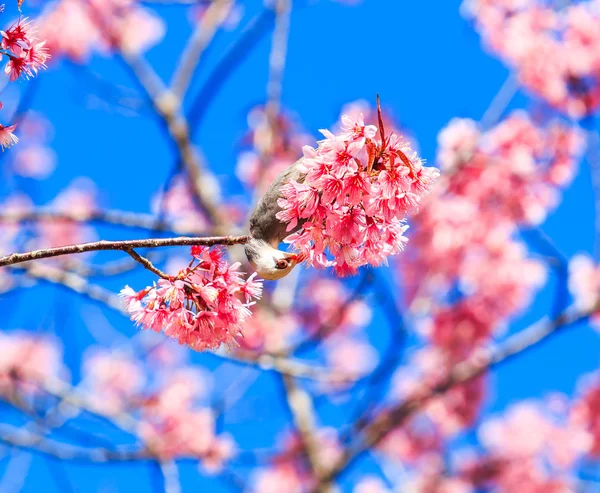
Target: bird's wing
{"x":264,"y":224}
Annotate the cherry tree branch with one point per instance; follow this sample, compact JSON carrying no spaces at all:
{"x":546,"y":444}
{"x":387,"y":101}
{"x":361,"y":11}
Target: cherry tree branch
{"x":109,"y":216}
{"x":123,"y":245}
{"x":372,"y":433}
{"x":27,"y":440}
{"x":212,"y":19}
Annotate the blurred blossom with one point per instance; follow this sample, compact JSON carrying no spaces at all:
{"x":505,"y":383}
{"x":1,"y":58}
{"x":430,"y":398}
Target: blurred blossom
{"x":113,"y":377}
{"x":274,"y":145}
{"x":268,"y":331}
{"x":585,"y":412}
{"x":554,"y":51}
{"x":34,"y":161}
{"x":465,"y":234}
{"x":278,"y":478}
{"x":27,"y":359}
{"x":177,"y":205}
{"x":522,"y":444}
{"x":349,"y":358}
{"x":371,"y":484}
{"x":77,"y":28}
{"x":327,"y":303}
{"x":584,"y":284}
{"x":79,"y":198}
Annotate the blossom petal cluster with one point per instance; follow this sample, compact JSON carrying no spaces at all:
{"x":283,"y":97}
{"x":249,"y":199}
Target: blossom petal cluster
{"x":355,"y":195}
{"x":202,"y":307}
{"x":27,"y":360}
{"x":27,"y":53}
{"x":555,"y":52}
{"x":77,"y":28}
{"x":465,"y":240}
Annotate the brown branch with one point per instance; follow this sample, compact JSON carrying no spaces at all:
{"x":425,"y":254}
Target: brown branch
{"x":26,"y":440}
{"x":373,"y":433}
{"x":109,"y":216}
{"x":302,"y":410}
{"x":147,"y":264}
{"x":123,"y":245}
{"x":168,"y":107}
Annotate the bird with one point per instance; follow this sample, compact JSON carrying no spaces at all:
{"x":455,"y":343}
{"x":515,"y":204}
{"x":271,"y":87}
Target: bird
{"x":267,"y":232}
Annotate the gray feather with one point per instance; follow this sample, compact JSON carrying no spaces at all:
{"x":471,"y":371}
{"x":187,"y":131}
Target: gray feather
{"x":264,"y":224}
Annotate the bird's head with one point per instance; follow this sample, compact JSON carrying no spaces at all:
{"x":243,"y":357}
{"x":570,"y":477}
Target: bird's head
{"x":270,"y":263}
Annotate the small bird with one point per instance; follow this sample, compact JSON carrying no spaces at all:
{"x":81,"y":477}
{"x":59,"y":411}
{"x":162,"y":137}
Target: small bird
{"x":267,"y":232}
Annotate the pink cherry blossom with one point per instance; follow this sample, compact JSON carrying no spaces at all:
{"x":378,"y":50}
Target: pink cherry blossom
{"x":203,"y":307}
{"x":7,"y":136}
{"x":275,"y":144}
{"x":27,"y":359}
{"x":355,"y":196}
{"x":115,"y":377}
{"x":554,"y":52}
{"x":76,"y":29}
{"x":584,"y":284}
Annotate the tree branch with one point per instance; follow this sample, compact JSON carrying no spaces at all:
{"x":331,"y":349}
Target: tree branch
{"x":374,"y":432}
{"x":213,"y":18}
{"x":123,"y":245}
{"x":109,"y":216}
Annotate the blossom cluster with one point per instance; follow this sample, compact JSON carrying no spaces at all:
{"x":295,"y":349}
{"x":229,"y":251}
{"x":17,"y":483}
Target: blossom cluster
{"x":27,"y":54}
{"x":172,"y":421}
{"x":584,"y":285}
{"x":465,"y":235}
{"x":77,"y":28}
{"x":356,"y":192}
{"x":556,"y":53}
{"x":467,"y":272}
{"x":531,"y":447}
{"x":203,"y":306}
{"x":26,"y":361}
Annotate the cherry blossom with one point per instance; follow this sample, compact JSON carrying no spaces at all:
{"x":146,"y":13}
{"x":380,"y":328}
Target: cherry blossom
{"x":115,"y":377}
{"x":7,"y":136}
{"x":276,"y":144}
{"x":203,"y":306}
{"x":354,"y":198}
{"x":584,"y":284}
{"x":554,"y":51}
{"x":27,"y":53}
{"x":27,"y":360}
{"x":77,"y":28}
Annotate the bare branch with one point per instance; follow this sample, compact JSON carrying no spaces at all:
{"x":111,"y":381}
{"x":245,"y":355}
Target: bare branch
{"x":109,"y":216}
{"x":303,"y":414}
{"x":123,"y":245}
{"x":147,"y":264}
{"x":212,"y":19}
{"x":26,"y":440}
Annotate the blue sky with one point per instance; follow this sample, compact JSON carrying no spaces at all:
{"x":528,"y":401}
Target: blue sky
{"x":428,"y":65}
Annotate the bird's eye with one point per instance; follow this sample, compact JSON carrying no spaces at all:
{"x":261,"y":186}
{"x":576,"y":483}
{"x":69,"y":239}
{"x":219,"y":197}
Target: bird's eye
{"x":282,"y":264}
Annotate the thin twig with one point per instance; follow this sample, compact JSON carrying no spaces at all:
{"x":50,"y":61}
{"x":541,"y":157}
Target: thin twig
{"x":109,"y":216}
{"x":123,"y":245}
{"x":147,"y":264}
